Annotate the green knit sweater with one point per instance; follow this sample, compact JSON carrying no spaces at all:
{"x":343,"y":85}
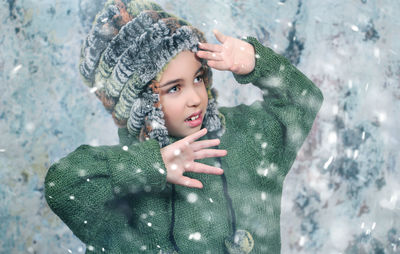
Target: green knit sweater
{"x":116,"y":198}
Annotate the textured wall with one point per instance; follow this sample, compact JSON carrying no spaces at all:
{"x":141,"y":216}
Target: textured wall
{"x":342,"y":194}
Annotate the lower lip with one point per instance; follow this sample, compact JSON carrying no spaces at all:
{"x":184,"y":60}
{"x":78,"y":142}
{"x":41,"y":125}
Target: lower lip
{"x":196,"y":122}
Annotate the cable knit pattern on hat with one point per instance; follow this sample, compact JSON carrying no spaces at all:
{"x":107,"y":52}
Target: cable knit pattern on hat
{"x":97,"y":40}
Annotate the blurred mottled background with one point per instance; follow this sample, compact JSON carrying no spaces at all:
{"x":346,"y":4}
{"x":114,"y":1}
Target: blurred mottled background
{"x":343,"y":192}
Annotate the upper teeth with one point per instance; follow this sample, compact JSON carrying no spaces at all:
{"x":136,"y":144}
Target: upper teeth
{"x":194,"y":117}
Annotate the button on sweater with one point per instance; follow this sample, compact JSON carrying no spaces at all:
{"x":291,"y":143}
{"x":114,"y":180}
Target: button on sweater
{"x":116,"y":199}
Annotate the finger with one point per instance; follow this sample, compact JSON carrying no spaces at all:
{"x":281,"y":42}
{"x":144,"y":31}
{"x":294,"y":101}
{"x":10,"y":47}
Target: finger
{"x":191,"y":138}
{"x":208,"y":153}
{"x":218,"y":65}
{"x":189,"y":182}
{"x":209,"y":55}
{"x":220,"y":36}
{"x":211,"y":47}
{"x":196,"y":146}
{"x":197,"y":167}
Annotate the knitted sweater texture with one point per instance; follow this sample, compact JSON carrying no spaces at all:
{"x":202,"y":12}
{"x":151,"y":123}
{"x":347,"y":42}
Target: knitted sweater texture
{"x":116,"y":198}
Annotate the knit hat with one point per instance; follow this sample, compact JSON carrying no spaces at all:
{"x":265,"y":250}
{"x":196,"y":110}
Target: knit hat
{"x":128,"y":47}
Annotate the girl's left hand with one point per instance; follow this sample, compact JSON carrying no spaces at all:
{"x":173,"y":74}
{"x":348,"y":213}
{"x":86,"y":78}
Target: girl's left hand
{"x":233,"y":54}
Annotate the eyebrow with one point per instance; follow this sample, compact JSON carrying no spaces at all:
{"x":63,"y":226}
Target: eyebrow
{"x":177,"y":80}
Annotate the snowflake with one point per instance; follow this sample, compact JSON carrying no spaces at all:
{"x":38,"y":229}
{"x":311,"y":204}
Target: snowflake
{"x":326,"y":165}
{"x":264,"y":145}
{"x":355,"y":28}
{"x":273,"y":82}
{"x":177,"y":152}
{"x":156,"y":125}
{"x":82,"y":173}
{"x":258,"y":136}
{"x":263,"y":171}
{"x":30,"y":127}
{"x":263,"y":195}
{"x":192,"y":197}
{"x":195,"y":236}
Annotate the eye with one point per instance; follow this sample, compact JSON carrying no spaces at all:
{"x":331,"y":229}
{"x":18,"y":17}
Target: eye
{"x":173,"y":89}
{"x":198,"y":79}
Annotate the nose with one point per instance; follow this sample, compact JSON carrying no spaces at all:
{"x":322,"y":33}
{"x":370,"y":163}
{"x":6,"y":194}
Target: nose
{"x":193,"y":97}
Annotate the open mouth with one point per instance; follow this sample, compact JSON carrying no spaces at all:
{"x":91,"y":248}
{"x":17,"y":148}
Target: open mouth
{"x":193,"y":118}
{"x":194,"y":121}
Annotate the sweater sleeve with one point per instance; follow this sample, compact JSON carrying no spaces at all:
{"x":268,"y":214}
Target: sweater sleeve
{"x":288,"y":95}
{"x":81,"y":185}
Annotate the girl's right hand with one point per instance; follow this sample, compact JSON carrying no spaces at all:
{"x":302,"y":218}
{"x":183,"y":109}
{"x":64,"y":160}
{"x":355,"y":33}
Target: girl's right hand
{"x":179,"y":158}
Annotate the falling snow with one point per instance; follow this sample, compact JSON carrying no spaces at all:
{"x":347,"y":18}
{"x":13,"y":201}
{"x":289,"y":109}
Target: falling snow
{"x":351,"y":178}
{"x":82,"y":173}
{"x":177,"y":152}
{"x":195,"y":236}
{"x":263,"y":195}
{"x":192,"y":197}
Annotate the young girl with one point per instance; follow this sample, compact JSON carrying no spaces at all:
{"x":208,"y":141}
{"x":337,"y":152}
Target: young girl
{"x":163,"y":189}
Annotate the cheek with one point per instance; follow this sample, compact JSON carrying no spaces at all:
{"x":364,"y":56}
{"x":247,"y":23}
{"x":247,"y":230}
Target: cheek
{"x":169,"y":108}
{"x":204,"y":95}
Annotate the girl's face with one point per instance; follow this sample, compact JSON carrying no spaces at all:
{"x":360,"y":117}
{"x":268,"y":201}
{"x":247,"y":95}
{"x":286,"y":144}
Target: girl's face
{"x":183,"y":95}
